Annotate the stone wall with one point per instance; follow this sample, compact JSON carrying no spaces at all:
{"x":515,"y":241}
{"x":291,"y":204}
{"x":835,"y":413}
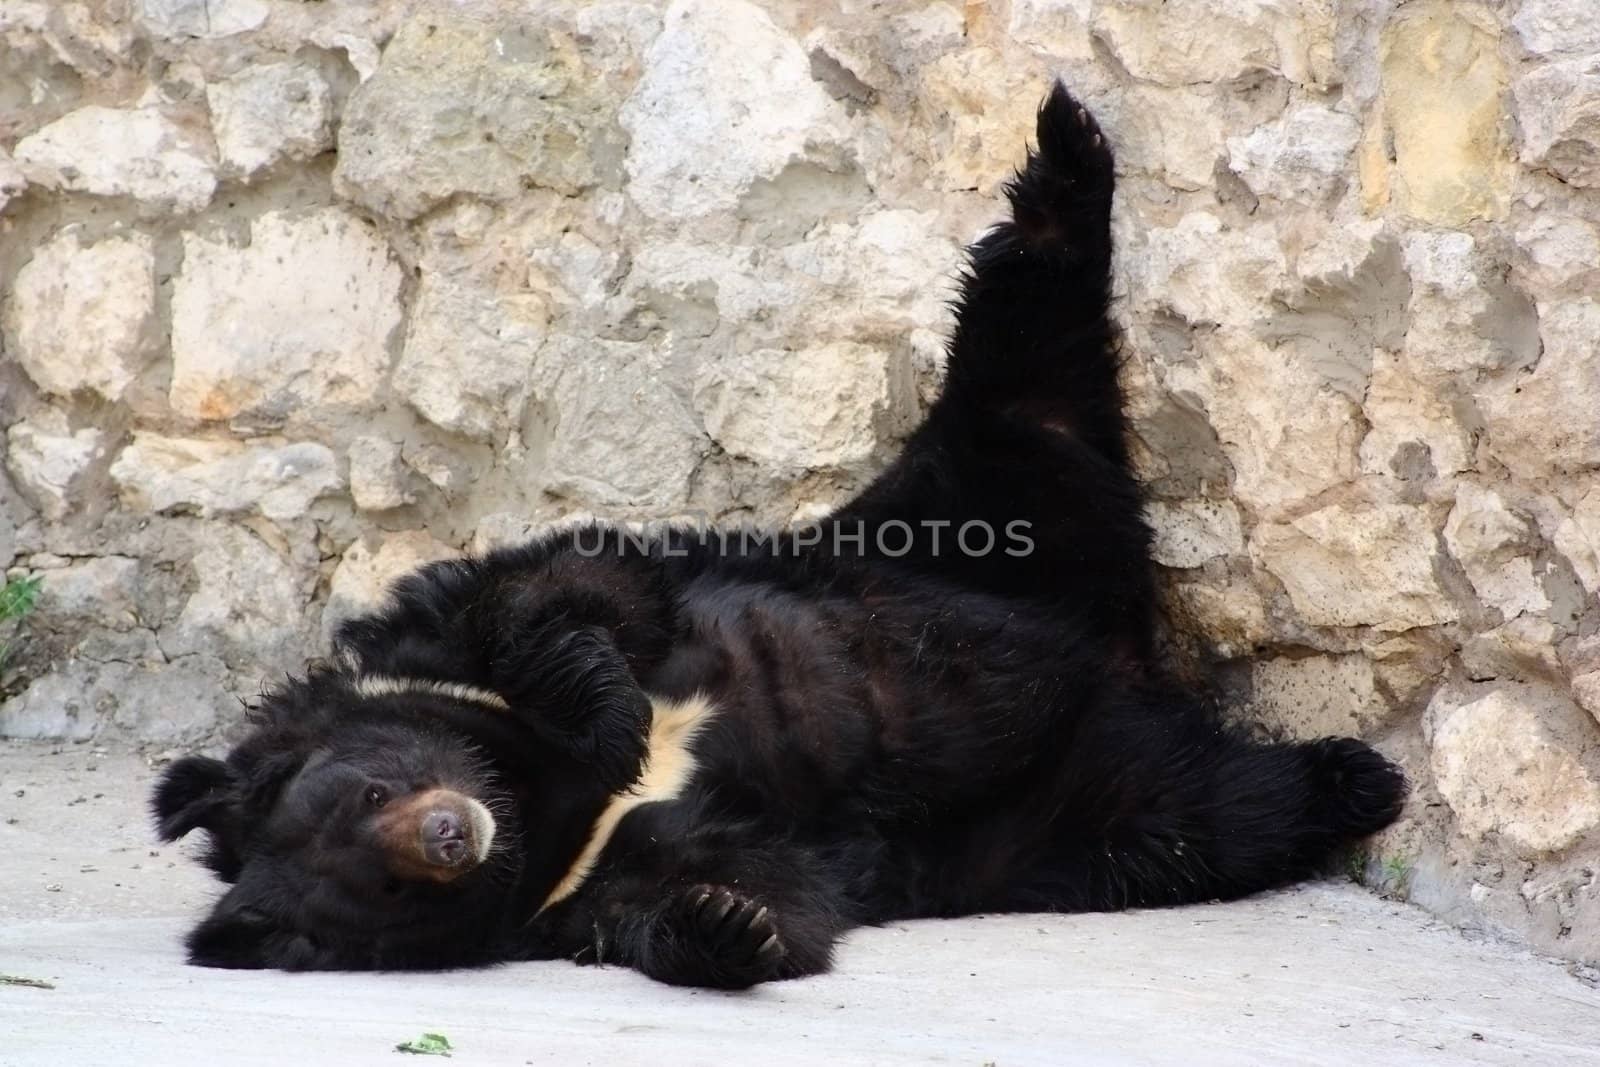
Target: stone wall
{"x":298,"y":293}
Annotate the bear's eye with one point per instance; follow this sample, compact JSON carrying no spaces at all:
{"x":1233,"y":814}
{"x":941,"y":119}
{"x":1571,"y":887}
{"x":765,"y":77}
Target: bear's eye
{"x":377,"y":796}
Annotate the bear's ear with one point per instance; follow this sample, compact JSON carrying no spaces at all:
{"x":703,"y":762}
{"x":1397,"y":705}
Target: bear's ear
{"x":196,"y":793}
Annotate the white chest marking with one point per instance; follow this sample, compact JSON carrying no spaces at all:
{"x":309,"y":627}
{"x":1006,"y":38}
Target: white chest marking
{"x":668,"y":769}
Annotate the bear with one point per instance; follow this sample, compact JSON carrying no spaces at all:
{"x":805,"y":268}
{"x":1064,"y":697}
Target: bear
{"x":708,"y":755}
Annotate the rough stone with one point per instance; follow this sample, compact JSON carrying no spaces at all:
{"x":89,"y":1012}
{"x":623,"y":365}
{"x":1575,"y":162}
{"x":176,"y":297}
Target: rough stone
{"x":1370,"y":565}
{"x":202,"y":18}
{"x":377,"y":474}
{"x":698,"y":145}
{"x":1501,"y":770}
{"x":1317,"y":696}
{"x":102,"y":591}
{"x":222,"y":477}
{"x":47,"y":458}
{"x":137,"y":152}
{"x":1578,"y":538}
{"x":1190,"y":532}
{"x":468,"y":356}
{"x":1206,"y":272}
{"x":251,"y":338}
{"x":1304,"y":155}
{"x":1558,"y":111}
{"x":1492,"y":544}
{"x":81,"y":316}
{"x":1414,"y":431}
{"x":1443,"y":78}
{"x":1287,"y":429}
{"x":1542,"y":423}
{"x":246,"y":608}
{"x":978,"y":98}
{"x":824,"y":407}
{"x":1560,"y":247}
{"x":1182,"y":42}
{"x":459,"y":106}
{"x":1586,"y":691}
{"x":156,"y":702}
{"x":264,"y":114}
{"x":367,"y":569}
{"x":1547,"y":26}
{"x":624,"y":437}
{"x":1461,"y":320}
{"x":12,"y":181}
{"x":1522,"y":649}
{"x":1057,"y":27}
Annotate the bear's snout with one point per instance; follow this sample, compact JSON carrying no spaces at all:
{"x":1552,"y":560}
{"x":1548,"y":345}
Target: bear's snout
{"x":444,"y":838}
{"x":438,"y":834}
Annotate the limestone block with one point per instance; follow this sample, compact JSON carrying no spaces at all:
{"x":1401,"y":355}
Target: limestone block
{"x":1558,"y":111}
{"x":1578,"y":538}
{"x":1286,"y":427}
{"x":208,"y":19}
{"x":1555,"y":26}
{"x":1057,"y":27}
{"x":1443,"y":78}
{"x":1463,"y":320}
{"x":47,"y":458}
{"x":1560,"y":247}
{"x":468,"y":357}
{"x":293,"y":327}
{"x":12,"y":181}
{"x":1190,"y":532}
{"x":1494,"y":545}
{"x":377,"y":474}
{"x":81,"y":316}
{"x":247,"y":604}
{"x":222,"y":477}
{"x":1303,"y":155}
{"x":460,"y":106}
{"x":1317,"y":696}
{"x":102,"y":591}
{"x":1542,"y":423}
{"x":180,"y":702}
{"x":822,"y":407}
{"x":624,"y":434}
{"x":1498,"y":765}
{"x":1181,"y":42}
{"x":1208,"y":272}
{"x":134,"y":152}
{"x":1369,"y":565}
{"x":267,"y":113}
{"x":1414,"y":432}
{"x":698,"y":144}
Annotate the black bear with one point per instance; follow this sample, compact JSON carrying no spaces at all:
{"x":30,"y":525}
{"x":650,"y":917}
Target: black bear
{"x":707,"y":756}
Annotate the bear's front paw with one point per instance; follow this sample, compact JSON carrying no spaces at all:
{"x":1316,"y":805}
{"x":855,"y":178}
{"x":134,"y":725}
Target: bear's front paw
{"x":716,"y":937}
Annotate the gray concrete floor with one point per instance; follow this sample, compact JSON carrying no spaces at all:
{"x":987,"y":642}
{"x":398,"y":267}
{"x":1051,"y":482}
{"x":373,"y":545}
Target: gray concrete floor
{"x":1324,"y":974}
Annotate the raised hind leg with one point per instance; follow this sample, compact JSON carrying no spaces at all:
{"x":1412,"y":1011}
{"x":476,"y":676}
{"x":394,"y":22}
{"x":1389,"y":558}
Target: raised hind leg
{"x":1194,"y":814}
{"x":1028,"y":435}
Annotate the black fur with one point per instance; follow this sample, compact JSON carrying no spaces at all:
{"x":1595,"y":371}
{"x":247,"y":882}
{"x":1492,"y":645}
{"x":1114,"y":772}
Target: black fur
{"x":897,"y":734}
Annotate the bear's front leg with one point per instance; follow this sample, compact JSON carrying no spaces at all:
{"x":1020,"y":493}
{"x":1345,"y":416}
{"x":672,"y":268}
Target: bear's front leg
{"x":570,"y":682}
{"x":706,"y":935}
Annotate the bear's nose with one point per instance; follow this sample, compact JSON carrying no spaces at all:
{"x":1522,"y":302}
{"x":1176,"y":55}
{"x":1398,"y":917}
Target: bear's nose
{"x":444,"y":838}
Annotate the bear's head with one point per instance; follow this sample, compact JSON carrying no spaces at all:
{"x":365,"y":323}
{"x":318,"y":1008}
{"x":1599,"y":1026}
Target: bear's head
{"x":367,"y":827}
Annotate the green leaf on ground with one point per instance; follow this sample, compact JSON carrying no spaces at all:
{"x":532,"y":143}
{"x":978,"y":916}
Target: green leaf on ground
{"x":31,"y":983}
{"x":426,"y":1045}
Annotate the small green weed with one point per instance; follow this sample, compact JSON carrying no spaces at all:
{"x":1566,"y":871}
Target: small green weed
{"x":18,"y":597}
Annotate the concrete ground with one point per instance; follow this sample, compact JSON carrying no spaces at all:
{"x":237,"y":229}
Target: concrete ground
{"x":1325,"y":974}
